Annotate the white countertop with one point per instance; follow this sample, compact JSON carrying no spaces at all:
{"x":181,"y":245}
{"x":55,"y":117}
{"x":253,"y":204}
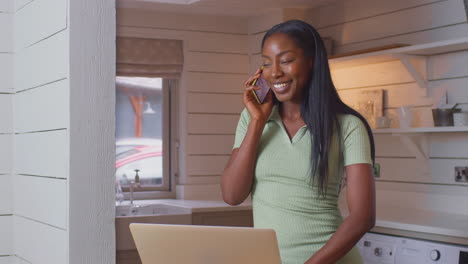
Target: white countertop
{"x":439,"y":223}
{"x":431,"y":222}
{"x":198,"y":206}
{"x":455,"y":225}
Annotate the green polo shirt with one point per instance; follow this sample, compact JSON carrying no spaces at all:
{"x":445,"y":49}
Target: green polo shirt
{"x":285,"y":198}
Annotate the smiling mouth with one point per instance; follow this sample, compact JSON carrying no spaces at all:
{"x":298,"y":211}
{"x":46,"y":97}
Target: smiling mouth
{"x":281,"y":87}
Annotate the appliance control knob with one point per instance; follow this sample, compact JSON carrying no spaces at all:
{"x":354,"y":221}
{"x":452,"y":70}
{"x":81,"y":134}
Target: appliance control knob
{"x":435,"y":254}
{"x":378,"y":252}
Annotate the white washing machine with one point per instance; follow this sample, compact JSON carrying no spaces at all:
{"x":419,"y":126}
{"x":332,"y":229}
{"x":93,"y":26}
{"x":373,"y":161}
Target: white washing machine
{"x":386,"y":249}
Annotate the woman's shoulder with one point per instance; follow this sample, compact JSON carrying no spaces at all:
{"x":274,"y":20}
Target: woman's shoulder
{"x":346,"y":119}
{"x":349,"y":122}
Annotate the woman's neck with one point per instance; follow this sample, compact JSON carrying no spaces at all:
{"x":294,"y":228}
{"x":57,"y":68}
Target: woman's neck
{"x":290,"y":111}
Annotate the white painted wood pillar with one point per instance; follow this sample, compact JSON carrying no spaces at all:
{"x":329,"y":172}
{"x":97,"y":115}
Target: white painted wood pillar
{"x":92,"y":129}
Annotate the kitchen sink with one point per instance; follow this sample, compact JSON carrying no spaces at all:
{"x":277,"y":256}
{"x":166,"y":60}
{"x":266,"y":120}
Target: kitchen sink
{"x":148,"y":209}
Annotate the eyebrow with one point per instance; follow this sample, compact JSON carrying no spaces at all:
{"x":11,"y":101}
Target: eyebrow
{"x":282,"y":53}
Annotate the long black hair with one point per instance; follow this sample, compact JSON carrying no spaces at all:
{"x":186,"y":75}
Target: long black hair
{"x":321,"y":103}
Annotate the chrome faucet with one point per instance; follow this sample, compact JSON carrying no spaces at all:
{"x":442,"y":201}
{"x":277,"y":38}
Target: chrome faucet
{"x":134,"y":184}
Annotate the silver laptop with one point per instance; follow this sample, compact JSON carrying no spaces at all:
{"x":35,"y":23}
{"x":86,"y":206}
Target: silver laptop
{"x":188,"y":244}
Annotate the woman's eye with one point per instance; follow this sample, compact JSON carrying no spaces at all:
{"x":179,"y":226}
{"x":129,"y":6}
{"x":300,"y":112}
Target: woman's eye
{"x":265,"y":64}
{"x":286,"y":61}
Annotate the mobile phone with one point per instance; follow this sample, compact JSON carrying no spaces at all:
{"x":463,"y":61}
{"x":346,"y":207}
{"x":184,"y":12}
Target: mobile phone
{"x":260,"y":94}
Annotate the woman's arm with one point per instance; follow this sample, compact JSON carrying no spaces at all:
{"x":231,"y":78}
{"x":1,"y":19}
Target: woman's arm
{"x":236,"y":181}
{"x":360,"y":196}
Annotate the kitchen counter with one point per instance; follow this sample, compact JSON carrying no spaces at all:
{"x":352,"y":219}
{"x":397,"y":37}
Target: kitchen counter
{"x":430,"y":225}
{"x":424,"y":224}
{"x":424,"y":221}
{"x":198,"y":206}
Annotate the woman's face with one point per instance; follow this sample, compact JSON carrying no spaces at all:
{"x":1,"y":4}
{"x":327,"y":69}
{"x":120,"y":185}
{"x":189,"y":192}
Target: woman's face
{"x":285,"y":67}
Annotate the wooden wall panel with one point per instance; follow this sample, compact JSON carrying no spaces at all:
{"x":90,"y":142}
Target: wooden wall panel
{"x":217,"y":62}
{"x":201,"y":180}
{"x":185,"y":22}
{"x":206,"y":165}
{"x":441,"y":145}
{"x":341,"y":12}
{"x":6,"y":32}
{"x":449,"y":199}
{"x":212,"y":124}
{"x":388,"y":145}
{"x":255,"y":43}
{"x":6,"y":72}
{"x":412,"y":38}
{"x":6,"y":113}
{"x":39,"y":243}
{"x":200,"y":192}
{"x":42,"y":154}
{"x":255,"y":62}
{"x":457,"y":90}
{"x":450,"y":145}
{"x":7,"y":6}
{"x":18,"y":4}
{"x":410,"y":94}
{"x":209,"y":145}
{"x":258,"y":26}
{"x":215,"y":82}
{"x":214,"y":103}
{"x":6,"y":125}
{"x":394,"y":95}
{"x":196,"y":40}
{"x":6,"y":235}
{"x":6,"y":153}
{"x":6,"y":195}
{"x":451,"y":65}
{"x":41,"y":199}
{"x":42,"y":108}
{"x":264,"y":22}
{"x":448,"y":13}
{"x":371,"y":75}
{"x":422,"y":117}
{"x":30,"y":25}
{"x":215,"y":42}
{"x":30,"y":62}
{"x":10,"y":260}
{"x":411,"y":170}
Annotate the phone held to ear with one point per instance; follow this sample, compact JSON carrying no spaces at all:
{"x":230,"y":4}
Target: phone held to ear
{"x":260,"y":94}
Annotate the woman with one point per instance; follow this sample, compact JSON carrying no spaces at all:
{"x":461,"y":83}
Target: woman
{"x":291,"y":151}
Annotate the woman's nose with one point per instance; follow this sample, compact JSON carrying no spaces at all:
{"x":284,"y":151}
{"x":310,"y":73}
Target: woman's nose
{"x":276,"y":71}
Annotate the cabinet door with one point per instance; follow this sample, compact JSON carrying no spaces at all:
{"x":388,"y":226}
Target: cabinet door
{"x":231,"y":218}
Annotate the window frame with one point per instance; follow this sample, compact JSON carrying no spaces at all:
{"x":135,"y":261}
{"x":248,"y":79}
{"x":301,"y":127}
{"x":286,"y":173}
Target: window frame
{"x":170,"y":148}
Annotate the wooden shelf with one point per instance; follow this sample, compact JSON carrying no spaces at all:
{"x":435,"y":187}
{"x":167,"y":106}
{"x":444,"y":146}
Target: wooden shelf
{"x":416,"y":139}
{"x":452,"y":129}
{"x":413,"y":58}
{"x":427,"y":49}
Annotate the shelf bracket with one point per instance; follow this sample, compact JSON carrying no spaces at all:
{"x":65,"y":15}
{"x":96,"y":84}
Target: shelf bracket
{"x":417,"y":68}
{"x":419,"y":146}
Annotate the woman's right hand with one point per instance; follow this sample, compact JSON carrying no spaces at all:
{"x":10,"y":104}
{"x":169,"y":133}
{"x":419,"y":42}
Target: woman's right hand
{"x":258,"y":112}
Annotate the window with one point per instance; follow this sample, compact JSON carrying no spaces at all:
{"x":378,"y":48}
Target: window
{"x":147,"y":74}
{"x":145,"y":116}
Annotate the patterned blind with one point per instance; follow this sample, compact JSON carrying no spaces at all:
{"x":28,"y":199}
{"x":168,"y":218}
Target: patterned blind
{"x":149,"y":57}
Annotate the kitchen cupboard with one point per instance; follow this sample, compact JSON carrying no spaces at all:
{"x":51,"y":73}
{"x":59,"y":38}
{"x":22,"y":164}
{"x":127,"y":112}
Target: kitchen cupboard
{"x":242,"y":218}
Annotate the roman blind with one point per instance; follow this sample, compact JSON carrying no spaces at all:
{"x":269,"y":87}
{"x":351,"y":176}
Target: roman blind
{"x":147,"y":57}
